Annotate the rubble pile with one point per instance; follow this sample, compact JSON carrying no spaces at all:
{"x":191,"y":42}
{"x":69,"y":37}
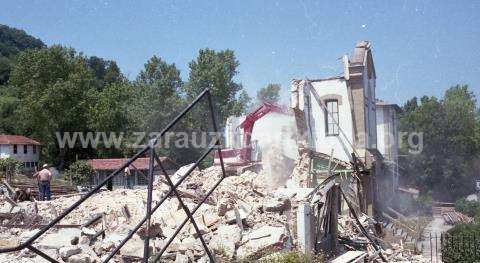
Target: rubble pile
{"x":244,"y":218}
{"x":351,"y":238}
{"x":239,"y":220}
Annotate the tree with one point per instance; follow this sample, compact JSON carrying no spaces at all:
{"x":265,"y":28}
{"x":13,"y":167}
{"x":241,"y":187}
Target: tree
{"x":157,"y":95}
{"x":270,"y":93}
{"x":8,"y":104}
{"x":216,"y":70}
{"x":444,"y":168}
{"x":110,"y":114}
{"x":12,"y":42}
{"x":243,"y":104}
{"x":105,"y":72}
{"x":58,"y":92}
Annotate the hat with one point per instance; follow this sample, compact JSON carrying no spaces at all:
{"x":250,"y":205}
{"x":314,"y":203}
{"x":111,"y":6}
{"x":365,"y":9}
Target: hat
{"x":45,"y":166}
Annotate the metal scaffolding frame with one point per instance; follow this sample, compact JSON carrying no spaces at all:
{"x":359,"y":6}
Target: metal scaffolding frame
{"x":150,"y":150}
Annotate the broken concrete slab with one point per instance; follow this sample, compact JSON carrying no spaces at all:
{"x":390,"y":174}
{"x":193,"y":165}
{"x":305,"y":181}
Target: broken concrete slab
{"x":80,"y":258}
{"x":134,"y":248}
{"x":88,"y":231}
{"x":244,"y":211}
{"x":68,"y":251}
{"x":276,"y":205}
{"x":265,"y":237}
{"x":181,"y":258}
{"x":60,"y":238}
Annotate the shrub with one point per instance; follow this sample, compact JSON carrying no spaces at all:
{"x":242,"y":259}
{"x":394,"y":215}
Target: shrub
{"x":9,"y":166}
{"x":469,"y":208}
{"x":460,"y":244}
{"x":79,"y":172}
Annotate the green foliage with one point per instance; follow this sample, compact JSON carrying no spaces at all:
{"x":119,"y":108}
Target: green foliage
{"x":12,"y":42}
{"x":55,"y":90}
{"x":216,"y":70}
{"x":469,"y":208}
{"x":459,"y":244}
{"x":293,"y":257}
{"x":157,"y":95}
{"x":105,"y":72}
{"x":9,"y":166}
{"x":270,"y":93}
{"x":243,"y":105}
{"x":8,"y":104}
{"x":79,"y":172}
{"x":450,"y":145}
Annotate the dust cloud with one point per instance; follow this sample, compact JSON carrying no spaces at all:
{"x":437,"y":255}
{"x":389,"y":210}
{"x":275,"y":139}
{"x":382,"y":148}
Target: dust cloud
{"x":276,"y":136}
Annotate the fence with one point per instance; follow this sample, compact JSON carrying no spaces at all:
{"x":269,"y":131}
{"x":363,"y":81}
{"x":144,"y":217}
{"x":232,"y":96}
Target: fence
{"x":150,"y":151}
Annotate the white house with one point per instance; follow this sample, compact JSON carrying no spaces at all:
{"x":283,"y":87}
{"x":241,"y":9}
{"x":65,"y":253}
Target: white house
{"x":20,"y":148}
{"x":387,"y":139}
{"x":338,"y":113}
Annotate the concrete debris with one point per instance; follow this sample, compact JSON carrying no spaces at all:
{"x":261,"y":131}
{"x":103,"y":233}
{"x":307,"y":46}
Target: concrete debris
{"x":181,"y":258}
{"x":352,"y":238}
{"x":269,"y":238}
{"x":276,"y":205}
{"x":242,"y":218}
{"x":301,"y":171}
{"x":80,"y":258}
{"x":67,"y":251}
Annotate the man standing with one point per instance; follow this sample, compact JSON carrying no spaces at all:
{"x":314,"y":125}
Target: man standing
{"x":128,"y":178}
{"x":44,"y":177}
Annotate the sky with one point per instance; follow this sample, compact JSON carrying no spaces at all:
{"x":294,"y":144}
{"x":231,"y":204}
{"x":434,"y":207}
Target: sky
{"x":419,"y":47}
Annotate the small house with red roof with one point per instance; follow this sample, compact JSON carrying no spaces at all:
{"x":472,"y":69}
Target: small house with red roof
{"x":21,"y":148}
{"x":139,"y":169}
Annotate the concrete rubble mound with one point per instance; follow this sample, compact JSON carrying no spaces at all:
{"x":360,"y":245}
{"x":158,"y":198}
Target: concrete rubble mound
{"x":242,"y":219}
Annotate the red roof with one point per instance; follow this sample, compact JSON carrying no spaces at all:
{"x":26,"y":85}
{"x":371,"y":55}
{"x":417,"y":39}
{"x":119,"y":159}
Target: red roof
{"x":16,"y":139}
{"x":140,"y":163}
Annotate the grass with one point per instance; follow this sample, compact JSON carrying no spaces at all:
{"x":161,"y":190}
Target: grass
{"x":285,"y":257}
{"x":292,"y":257}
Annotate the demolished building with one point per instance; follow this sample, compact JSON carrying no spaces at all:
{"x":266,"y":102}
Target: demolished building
{"x":196,"y":215}
{"x":336,"y":117}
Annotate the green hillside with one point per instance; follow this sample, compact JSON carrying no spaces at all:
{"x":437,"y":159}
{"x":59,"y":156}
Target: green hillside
{"x":12,"y":42}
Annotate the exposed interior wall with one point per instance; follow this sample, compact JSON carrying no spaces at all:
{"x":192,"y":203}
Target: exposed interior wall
{"x":320,"y":140}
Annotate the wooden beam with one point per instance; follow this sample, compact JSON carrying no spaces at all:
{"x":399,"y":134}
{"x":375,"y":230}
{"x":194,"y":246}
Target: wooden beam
{"x":334,"y":217}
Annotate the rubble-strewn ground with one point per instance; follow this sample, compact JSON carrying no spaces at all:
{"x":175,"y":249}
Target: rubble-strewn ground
{"x":244,"y":219}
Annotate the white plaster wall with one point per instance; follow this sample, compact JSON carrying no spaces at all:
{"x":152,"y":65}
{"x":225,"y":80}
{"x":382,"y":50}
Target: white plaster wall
{"x":233,"y":134}
{"x":381,"y":131}
{"x":7,"y":150}
{"x":322,"y":143}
